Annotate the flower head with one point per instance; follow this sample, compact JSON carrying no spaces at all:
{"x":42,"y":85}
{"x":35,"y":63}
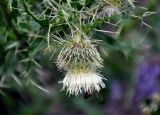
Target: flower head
{"x":80,"y":59}
{"x":149,"y":75}
{"x":115,"y":6}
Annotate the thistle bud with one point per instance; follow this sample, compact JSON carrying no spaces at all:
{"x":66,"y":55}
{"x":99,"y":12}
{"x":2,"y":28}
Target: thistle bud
{"x":115,"y":6}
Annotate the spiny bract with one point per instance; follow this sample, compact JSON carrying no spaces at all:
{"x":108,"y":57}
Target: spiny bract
{"x":81,"y":54}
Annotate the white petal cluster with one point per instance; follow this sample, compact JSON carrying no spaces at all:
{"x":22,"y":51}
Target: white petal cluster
{"x":77,"y":83}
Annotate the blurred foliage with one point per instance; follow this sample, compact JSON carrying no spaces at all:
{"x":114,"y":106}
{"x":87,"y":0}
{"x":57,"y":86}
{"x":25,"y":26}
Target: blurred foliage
{"x":29,"y":76}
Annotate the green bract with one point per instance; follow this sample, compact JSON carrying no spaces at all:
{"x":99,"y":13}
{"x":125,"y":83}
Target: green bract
{"x":79,"y":54}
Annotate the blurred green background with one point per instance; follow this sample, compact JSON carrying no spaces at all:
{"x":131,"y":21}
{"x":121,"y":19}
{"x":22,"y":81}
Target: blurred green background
{"x":29,"y":77}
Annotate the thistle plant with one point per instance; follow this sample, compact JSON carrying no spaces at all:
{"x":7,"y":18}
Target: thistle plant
{"x":74,"y":21}
{"x":81,"y":61}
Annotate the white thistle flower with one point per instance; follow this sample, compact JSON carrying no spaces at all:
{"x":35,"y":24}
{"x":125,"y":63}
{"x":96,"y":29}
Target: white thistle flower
{"x":79,"y":82}
{"x":80,"y":59}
